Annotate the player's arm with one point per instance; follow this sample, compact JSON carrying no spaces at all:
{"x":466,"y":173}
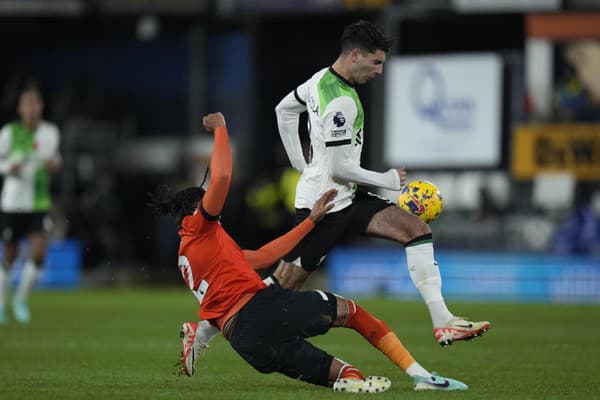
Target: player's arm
{"x":338,"y":120}
{"x":276,"y":249}
{"x":288,"y":119}
{"x":5,"y":142}
{"x":220,"y":167}
{"x":50,"y":152}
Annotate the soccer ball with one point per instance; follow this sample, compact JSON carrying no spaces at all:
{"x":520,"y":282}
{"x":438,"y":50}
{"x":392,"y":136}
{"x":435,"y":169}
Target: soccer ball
{"x":423,"y":199}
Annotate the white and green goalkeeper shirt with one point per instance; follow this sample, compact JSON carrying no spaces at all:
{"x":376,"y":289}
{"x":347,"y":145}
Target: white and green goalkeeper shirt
{"x":336,"y":119}
{"x":29,"y":190}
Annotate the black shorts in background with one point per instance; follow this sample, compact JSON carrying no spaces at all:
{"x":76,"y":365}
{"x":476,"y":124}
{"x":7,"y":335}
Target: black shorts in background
{"x":352,"y":220}
{"x":16,"y":226}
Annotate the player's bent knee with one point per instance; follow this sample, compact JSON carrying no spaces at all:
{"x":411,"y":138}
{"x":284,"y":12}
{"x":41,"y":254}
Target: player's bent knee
{"x":416,"y":226}
{"x":396,"y":224}
{"x":346,"y":308}
{"x":424,"y":229}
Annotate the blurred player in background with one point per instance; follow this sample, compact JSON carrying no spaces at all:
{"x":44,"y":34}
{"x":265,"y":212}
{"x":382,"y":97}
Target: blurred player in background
{"x":268,"y":325}
{"x":336,"y":120}
{"x":28,"y":157}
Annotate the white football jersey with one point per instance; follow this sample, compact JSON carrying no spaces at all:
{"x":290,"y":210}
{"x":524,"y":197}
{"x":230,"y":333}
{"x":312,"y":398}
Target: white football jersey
{"x":336,"y":118}
{"x":29,"y":191}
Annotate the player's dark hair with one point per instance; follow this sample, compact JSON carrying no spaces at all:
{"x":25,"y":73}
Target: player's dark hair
{"x":165,"y":201}
{"x":366,"y":36}
{"x":30,"y":86}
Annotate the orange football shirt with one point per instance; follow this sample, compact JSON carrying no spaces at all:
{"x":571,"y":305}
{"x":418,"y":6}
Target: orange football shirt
{"x":213,"y":266}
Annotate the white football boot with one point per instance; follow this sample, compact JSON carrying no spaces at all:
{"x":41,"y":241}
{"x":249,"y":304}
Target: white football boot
{"x":459,"y":328}
{"x":191,"y":348}
{"x":371,"y":384}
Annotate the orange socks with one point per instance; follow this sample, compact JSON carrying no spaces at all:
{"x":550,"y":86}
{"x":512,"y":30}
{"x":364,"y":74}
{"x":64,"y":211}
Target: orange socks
{"x":364,"y":323}
{"x":350,"y":372}
{"x":378,"y":334}
{"x":391,"y":346}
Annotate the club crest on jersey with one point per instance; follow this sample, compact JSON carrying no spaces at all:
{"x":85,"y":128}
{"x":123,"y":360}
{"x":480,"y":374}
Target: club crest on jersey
{"x":339,"y":120}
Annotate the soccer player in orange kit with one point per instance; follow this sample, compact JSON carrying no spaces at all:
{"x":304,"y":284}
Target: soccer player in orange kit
{"x":268,"y":325}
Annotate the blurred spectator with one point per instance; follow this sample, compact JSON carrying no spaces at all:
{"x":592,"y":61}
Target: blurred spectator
{"x":270,"y":201}
{"x":581,"y":232}
{"x":578,"y":96}
{"x":584,"y":56}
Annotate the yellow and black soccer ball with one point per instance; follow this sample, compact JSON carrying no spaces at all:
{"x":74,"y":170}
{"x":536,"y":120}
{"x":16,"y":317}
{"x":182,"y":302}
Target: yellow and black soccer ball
{"x":423,"y":199}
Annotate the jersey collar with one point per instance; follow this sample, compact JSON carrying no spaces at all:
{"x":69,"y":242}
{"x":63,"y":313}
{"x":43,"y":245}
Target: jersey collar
{"x":341,"y":78}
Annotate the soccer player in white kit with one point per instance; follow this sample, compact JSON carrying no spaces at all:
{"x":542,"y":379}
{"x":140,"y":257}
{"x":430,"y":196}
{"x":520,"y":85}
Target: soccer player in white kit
{"x":28,"y":156}
{"x":336,"y":119}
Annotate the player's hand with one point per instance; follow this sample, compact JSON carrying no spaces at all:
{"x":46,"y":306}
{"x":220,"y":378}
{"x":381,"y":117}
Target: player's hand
{"x":213,"y":121}
{"x":323,"y":205}
{"x":52,"y":165}
{"x":402,"y":174}
{"x":15,"y":169}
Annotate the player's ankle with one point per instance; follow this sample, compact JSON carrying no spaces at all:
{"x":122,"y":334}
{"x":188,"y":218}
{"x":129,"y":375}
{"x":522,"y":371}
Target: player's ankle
{"x":350,"y":372}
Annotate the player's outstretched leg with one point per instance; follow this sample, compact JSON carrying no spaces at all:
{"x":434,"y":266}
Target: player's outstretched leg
{"x":459,"y":328}
{"x":404,"y":227}
{"x":425,"y":274}
{"x":351,"y":315}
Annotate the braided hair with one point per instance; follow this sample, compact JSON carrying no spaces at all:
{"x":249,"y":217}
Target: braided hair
{"x":165,"y":201}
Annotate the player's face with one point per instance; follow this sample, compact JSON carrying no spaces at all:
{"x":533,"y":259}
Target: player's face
{"x":30,"y":106}
{"x":368,"y":66}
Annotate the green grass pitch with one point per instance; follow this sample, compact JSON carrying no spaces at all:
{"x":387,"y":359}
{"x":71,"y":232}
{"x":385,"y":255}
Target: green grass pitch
{"x":123,"y":344}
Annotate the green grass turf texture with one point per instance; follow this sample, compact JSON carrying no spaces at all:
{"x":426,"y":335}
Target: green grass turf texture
{"x":123,"y":344}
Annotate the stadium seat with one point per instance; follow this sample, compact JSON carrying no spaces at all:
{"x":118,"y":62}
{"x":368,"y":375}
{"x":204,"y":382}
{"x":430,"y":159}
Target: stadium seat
{"x":498,"y":186}
{"x":468,"y":190}
{"x":553,"y":192}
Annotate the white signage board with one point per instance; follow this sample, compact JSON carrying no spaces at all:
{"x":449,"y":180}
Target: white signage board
{"x":443,"y":111}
